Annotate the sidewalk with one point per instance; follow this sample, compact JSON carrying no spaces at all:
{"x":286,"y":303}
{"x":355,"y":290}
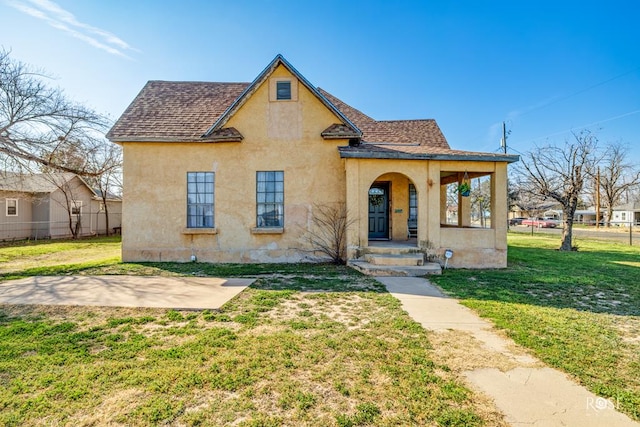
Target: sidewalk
{"x":123,"y":291}
{"x":528,"y":393}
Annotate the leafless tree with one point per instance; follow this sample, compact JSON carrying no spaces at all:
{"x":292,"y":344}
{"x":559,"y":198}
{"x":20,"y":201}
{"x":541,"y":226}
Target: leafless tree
{"x":559,"y":173}
{"x":617,"y":177}
{"x":107,"y":180}
{"x":69,"y":186}
{"x":328,"y":235}
{"x":38,"y":122}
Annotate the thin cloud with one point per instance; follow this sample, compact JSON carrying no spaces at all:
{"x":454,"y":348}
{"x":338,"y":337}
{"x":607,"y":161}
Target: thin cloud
{"x":63,"y":20}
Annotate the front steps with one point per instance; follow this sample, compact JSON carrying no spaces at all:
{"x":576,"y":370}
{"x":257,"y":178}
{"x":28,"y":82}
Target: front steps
{"x":394,"y":261}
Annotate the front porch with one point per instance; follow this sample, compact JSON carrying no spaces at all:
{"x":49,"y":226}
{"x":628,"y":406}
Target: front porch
{"x":401,"y":209}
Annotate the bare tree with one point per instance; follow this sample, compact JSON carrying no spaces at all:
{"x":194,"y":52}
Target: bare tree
{"x":328,"y":235}
{"x":38,"y":123}
{"x":617,"y":177}
{"x":107,"y":163}
{"x":559,"y":173}
{"x":69,"y":186}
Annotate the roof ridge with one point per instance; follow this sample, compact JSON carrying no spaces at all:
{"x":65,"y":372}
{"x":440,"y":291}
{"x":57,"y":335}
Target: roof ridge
{"x":197,"y":82}
{"x":406,"y":120}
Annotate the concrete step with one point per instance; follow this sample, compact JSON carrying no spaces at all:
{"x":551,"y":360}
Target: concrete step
{"x":395,"y":259}
{"x":397,"y":271}
{"x":394,"y":250}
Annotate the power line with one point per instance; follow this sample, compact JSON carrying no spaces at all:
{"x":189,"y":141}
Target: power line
{"x":582,"y":127}
{"x":571,"y":95}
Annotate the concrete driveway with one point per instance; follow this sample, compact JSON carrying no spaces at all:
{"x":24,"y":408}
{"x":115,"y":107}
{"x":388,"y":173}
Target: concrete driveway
{"x":123,"y":291}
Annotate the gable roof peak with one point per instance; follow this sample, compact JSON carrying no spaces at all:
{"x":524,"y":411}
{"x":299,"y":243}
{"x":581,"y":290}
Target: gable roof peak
{"x":264,"y":75}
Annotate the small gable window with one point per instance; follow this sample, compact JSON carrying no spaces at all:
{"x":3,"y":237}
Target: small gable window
{"x":283,"y":90}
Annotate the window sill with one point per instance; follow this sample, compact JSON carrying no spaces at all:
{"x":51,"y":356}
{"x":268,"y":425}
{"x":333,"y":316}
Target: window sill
{"x":200,"y":231}
{"x":267,"y":230}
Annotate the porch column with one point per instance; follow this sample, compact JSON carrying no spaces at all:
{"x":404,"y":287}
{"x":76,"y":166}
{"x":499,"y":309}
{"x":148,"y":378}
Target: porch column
{"x":499,"y":205}
{"x":434,"y":203}
{"x":352,"y":169}
{"x":422,"y":189}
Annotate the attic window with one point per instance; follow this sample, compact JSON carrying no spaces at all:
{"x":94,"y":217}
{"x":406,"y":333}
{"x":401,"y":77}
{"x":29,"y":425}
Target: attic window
{"x":283,"y":90}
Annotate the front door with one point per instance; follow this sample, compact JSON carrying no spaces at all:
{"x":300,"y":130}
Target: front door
{"x":379,"y":211}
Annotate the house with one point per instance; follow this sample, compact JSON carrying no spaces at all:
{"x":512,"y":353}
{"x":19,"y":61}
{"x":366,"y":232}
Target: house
{"x":626,"y":214}
{"x":51,"y":205}
{"x":235,"y":172}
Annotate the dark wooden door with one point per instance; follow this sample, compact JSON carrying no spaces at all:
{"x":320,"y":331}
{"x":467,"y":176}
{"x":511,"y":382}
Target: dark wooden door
{"x":379,"y":211}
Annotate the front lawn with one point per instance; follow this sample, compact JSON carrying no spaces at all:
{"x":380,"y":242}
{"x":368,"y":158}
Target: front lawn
{"x":320,"y":346}
{"x":577,"y":311}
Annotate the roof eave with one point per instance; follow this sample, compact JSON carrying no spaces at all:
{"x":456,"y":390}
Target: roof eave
{"x":428,"y":156}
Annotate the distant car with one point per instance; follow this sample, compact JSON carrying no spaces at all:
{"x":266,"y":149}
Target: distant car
{"x":540,"y":222}
{"x":516,"y":221}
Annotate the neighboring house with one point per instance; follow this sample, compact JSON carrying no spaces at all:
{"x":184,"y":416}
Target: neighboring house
{"x":626,"y":214}
{"x":37,"y":206}
{"x":234,"y":172}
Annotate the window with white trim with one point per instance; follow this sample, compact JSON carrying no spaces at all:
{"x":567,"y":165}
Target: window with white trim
{"x":12,"y":207}
{"x":76,"y":207}
{"x":270,"y":199}
{"x":200,"y":199}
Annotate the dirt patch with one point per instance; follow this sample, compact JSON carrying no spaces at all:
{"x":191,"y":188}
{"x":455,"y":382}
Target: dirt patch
{"x":112,"y":409}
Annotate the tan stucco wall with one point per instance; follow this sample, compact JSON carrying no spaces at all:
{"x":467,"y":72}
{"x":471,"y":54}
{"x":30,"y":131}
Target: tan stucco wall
{"x":278,"y":136}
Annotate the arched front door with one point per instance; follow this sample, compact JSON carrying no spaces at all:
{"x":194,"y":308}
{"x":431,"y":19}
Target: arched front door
{"x":379,"y":211}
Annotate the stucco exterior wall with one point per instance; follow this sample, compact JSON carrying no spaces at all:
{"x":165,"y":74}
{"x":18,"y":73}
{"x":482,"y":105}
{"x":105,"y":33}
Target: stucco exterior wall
{"x":278,"y":136}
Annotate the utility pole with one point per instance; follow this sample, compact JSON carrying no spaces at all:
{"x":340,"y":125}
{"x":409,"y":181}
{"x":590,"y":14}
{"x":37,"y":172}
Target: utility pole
{"x":504,"y":138}
{"x":598,"y":199}
{"x":503,"y":143}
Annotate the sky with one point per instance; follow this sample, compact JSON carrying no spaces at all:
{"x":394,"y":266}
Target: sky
{"x":545,"y":68}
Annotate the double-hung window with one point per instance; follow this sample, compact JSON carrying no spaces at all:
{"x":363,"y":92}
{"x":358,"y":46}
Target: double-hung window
{"x":12,"y":207}
{"x":413,"y":203}
{"x":270,"y":199}
{"x":200,"y":200}
{"x":76,"y":207}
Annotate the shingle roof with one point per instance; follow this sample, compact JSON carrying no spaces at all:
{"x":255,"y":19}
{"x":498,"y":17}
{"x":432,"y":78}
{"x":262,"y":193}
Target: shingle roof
{"x":197,"y":111}
{"x":33,"y":183}
{"x":174,"y":111}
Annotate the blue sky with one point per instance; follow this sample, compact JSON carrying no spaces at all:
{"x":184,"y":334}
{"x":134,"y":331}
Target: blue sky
{"x":544,"y":67}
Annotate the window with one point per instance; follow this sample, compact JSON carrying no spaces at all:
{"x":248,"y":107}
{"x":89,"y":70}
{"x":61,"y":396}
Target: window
{"x":283,"y":90}
{"x":12,"y":207}
{"x":76,"y":207}
{"x":270,"y":199}
{"x":413,"y":203}
{"x":623,"y":216}
{"x":200,"y":191}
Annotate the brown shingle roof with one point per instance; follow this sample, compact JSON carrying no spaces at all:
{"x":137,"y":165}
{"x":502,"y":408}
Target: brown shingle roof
{"x":424,"y":132}
{"x":185,"y":111}
{"x":174,"y":111}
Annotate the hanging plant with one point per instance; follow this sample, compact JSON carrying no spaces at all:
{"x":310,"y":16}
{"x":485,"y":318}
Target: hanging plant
{"x":464,"y":188}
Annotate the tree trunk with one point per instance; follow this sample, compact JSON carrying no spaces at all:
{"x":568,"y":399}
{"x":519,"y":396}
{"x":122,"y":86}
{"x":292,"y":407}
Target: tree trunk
{"x":567,"y":234}
{"x":609,"y":215}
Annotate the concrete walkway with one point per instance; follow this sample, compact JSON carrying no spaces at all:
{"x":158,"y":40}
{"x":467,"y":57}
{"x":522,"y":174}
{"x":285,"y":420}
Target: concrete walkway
{"x":123,"y":291}
{"x":529,"y":393}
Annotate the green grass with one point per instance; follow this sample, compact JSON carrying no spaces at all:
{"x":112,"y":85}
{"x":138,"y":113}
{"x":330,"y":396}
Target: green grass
{"x":309,"y":345}
{"x":57,"y":257}
{"x":577,"y":311}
